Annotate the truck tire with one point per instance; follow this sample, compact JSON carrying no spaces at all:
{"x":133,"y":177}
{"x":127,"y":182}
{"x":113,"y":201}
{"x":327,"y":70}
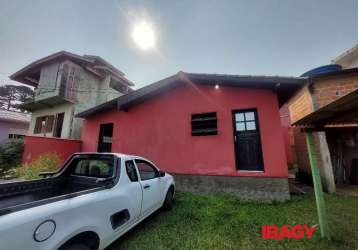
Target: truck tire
{"x":77,"y":246}
{"x":169,"y":199}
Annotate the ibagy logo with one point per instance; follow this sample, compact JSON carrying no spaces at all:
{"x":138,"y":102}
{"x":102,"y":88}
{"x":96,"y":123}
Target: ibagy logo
{"x":287,"y":232}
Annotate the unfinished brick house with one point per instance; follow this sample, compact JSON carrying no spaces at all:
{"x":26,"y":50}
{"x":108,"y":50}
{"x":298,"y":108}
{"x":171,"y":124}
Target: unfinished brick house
{"x":327,"y":94}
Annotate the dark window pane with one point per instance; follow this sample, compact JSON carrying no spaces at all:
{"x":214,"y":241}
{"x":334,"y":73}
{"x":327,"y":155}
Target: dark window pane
{"x":131,"y":171}
{"x":204,"y":124}
{"x":38,"y":125}
{"x":58,"y":125}
{"x":49,"y":123}
{"x":146,"y":171}
{"x":99,"y":168}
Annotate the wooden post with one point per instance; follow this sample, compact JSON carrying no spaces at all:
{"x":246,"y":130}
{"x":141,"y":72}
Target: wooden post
{"x":327,"y":169}
{"x":321,"y":207}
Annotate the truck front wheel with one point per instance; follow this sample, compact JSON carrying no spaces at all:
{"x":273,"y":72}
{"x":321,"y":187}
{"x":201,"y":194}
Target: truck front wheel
{"x":169,"y":199}
{"x":76,"y":246}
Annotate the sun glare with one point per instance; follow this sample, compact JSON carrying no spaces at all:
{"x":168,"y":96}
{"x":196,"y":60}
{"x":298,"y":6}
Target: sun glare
{"x":144,"y":36}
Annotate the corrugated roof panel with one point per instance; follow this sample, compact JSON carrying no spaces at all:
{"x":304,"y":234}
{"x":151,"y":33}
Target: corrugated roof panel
{"x":8,"y":115}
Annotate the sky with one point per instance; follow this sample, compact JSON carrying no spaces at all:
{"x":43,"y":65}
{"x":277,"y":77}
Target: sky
{"x":255,"y":37}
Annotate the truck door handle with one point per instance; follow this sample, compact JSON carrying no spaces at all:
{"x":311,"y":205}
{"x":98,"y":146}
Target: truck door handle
{"x":146,"y":186}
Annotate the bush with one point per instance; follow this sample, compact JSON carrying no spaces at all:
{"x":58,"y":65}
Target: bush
{"x":46,"y":162}
{"x":10,"y":155}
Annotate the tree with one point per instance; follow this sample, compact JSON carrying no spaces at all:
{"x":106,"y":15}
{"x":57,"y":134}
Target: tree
{"x":10,"y":155}
{"x":13,"y":95}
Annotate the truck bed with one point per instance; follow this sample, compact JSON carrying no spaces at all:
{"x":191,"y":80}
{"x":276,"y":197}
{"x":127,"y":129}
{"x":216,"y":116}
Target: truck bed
{"x":20,"y":195}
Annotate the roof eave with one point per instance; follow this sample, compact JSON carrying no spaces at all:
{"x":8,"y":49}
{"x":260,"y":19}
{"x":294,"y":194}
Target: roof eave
{"x":103,"y":61}
{"x":15,"y":121}
{"x":21,"y":74}
{"x":341,"y":111}
{"x":285,"y":85}
{"x":126,"y":101}
{"x":102,"y":107}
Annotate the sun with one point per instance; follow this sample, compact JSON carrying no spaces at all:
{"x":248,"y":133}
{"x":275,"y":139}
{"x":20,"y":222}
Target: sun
{"x":144,"y":36}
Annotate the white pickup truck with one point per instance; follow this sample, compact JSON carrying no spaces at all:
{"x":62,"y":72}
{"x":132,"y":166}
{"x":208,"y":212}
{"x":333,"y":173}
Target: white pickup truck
{"x":90,"y":202}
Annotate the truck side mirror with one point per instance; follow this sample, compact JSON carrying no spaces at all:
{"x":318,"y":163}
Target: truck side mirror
{"x":161,"y":174}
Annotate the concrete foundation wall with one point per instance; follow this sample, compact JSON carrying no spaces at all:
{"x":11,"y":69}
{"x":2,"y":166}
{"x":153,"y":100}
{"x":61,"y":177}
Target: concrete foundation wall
{"x":250,"y":188}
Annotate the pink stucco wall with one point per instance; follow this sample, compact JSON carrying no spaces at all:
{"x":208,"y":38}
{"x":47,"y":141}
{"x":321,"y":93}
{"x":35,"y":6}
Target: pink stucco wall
{"x":160,"y":129}
{"x":38,"y":145}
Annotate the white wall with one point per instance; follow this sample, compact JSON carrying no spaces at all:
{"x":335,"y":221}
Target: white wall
{"x":49,"y":81}
{"x":350,"y":64}
{"x":63,"y":108}
{"x":91,"y":91}
{"x":8,"y":127}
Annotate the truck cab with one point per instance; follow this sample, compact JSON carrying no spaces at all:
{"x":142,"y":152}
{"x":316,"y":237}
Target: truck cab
{"x":90,"y":202}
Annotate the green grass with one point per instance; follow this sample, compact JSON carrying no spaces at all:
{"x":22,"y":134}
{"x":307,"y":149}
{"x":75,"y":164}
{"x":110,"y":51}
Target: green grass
{"x":224,"y":222}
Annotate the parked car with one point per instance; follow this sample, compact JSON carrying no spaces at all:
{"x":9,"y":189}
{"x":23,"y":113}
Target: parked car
{"x":90,"y":202}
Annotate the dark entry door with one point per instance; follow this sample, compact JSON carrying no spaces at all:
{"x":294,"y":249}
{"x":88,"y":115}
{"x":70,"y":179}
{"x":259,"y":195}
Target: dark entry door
{"x":105,"y":137}
{"x":248,"y":150}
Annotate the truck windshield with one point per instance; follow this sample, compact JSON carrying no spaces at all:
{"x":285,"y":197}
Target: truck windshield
{"x":93,"y":167}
